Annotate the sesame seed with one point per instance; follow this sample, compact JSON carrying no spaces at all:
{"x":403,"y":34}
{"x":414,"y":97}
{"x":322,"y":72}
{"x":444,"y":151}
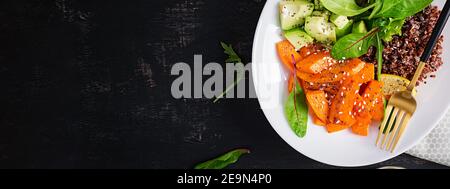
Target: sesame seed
{"x":340,"y":113}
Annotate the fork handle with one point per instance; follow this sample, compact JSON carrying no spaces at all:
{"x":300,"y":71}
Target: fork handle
{"x":443,"y":17}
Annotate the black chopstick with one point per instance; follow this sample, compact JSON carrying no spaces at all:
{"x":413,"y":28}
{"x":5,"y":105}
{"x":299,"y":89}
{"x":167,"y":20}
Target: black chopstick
{"x":443,"y":17}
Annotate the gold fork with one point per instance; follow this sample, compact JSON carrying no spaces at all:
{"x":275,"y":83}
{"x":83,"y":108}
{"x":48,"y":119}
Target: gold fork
{"x":402,"y":105}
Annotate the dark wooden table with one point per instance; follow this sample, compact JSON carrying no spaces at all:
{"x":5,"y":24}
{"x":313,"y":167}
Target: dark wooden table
{"x":86,"y":84}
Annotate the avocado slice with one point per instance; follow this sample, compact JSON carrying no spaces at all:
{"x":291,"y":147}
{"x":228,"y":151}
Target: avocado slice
{"x":293,"y":13}
{"x":298,"y":38}
{"x":343,"y":25}
{"x":341,"y":32}
{"x":320,"y":29}
{"x":359,"y":27}
{"x":326,"y":14}
{"x":339,"y":20}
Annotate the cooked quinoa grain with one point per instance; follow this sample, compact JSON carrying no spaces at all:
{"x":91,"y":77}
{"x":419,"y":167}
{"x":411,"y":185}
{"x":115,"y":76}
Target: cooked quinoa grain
{"x":401,"y":56}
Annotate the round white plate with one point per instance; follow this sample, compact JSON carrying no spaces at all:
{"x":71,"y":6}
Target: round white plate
{"x":343,"y":148}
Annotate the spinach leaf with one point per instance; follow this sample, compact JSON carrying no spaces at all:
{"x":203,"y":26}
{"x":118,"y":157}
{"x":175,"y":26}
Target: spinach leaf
{"x":376,"y":9}
{"x":296,"y":110}
{"x":345,"y":7}
{"x":402,"y":8}
{"x":353,"y":45}
{"x":223,"y":160}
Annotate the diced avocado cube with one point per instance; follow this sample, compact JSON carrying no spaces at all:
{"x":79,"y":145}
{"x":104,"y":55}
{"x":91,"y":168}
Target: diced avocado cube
{"x":293,"y":13}
{"x":341,"y":32}
{"x":298,"y":38}
{"x":318,"y":5}
{"x":359,"y":27}
{"x":326,"y":14}
{"x":338,"y":20}
{"x":320,"y":29}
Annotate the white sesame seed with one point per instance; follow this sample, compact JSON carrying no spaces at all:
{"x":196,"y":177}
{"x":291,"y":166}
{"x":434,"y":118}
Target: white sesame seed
{"x":340,"y":113}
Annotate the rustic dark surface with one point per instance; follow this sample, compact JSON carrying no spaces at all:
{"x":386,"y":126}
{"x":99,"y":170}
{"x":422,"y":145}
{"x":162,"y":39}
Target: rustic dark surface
{"x":86,"y":84}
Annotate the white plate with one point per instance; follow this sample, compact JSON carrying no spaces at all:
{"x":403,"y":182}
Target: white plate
{"x":342,"y":148}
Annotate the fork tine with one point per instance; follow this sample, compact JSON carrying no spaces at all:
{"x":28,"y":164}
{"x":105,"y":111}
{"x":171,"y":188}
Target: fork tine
{"x":395,"y":129}
{"x":402,"y":128}
{"x":388,"y":129}
{"x":383,"y":124}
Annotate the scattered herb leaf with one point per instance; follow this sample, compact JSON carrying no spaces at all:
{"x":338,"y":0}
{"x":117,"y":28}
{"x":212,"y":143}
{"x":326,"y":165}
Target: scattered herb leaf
{"x":232,"y":56}
{"x":379,"y":54}
{"x":223,"y":160}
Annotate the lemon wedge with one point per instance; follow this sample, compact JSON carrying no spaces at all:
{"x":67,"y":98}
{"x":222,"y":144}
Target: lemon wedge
{"x":394,"y":83}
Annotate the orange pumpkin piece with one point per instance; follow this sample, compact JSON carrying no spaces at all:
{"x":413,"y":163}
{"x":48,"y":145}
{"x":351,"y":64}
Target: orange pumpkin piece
{"x":285,"y":52}
{"x":335,"y":73}
{"x":373,"y":97}
{"x":316,"y":62}
{"x":331,"y":127}
{"x":341,"y":110}
{"x":317,"y":121}
{"x":366,"y":74}
{"x":317,"y":100}
{"x":361,"y":127}
{"x":373,"y":100}
{"x":310,"y":49}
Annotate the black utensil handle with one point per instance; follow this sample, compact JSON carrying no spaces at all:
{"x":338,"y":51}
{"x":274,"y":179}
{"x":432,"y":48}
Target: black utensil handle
{"x":440,"y":24}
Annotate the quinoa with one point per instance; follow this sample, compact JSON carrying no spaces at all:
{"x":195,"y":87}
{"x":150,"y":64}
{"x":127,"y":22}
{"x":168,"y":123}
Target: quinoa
{"x":402,"y":55}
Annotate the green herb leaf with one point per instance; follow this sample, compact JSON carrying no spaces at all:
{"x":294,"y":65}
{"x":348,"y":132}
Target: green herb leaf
{"x":232,"y":56}
{"x":223,"y":160}
{"x":380,"y":48}
{"x":296,"y":110}
{"x":402,"y":8}
{"x":353,"y":45}
{"x":345,"y":7}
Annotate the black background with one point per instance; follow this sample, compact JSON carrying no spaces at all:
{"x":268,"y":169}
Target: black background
{"x":86,"y":84}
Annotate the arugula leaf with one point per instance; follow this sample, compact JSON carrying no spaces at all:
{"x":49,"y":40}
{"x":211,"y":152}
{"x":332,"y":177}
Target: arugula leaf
{"x":223,"y":160}
{"x":389,"y":27}
{"x":296,"y":110}
{"x":345,"y":7}
{"x":232,"y":56}
{"x":353,"y":45}
{"x":402,"y":8}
